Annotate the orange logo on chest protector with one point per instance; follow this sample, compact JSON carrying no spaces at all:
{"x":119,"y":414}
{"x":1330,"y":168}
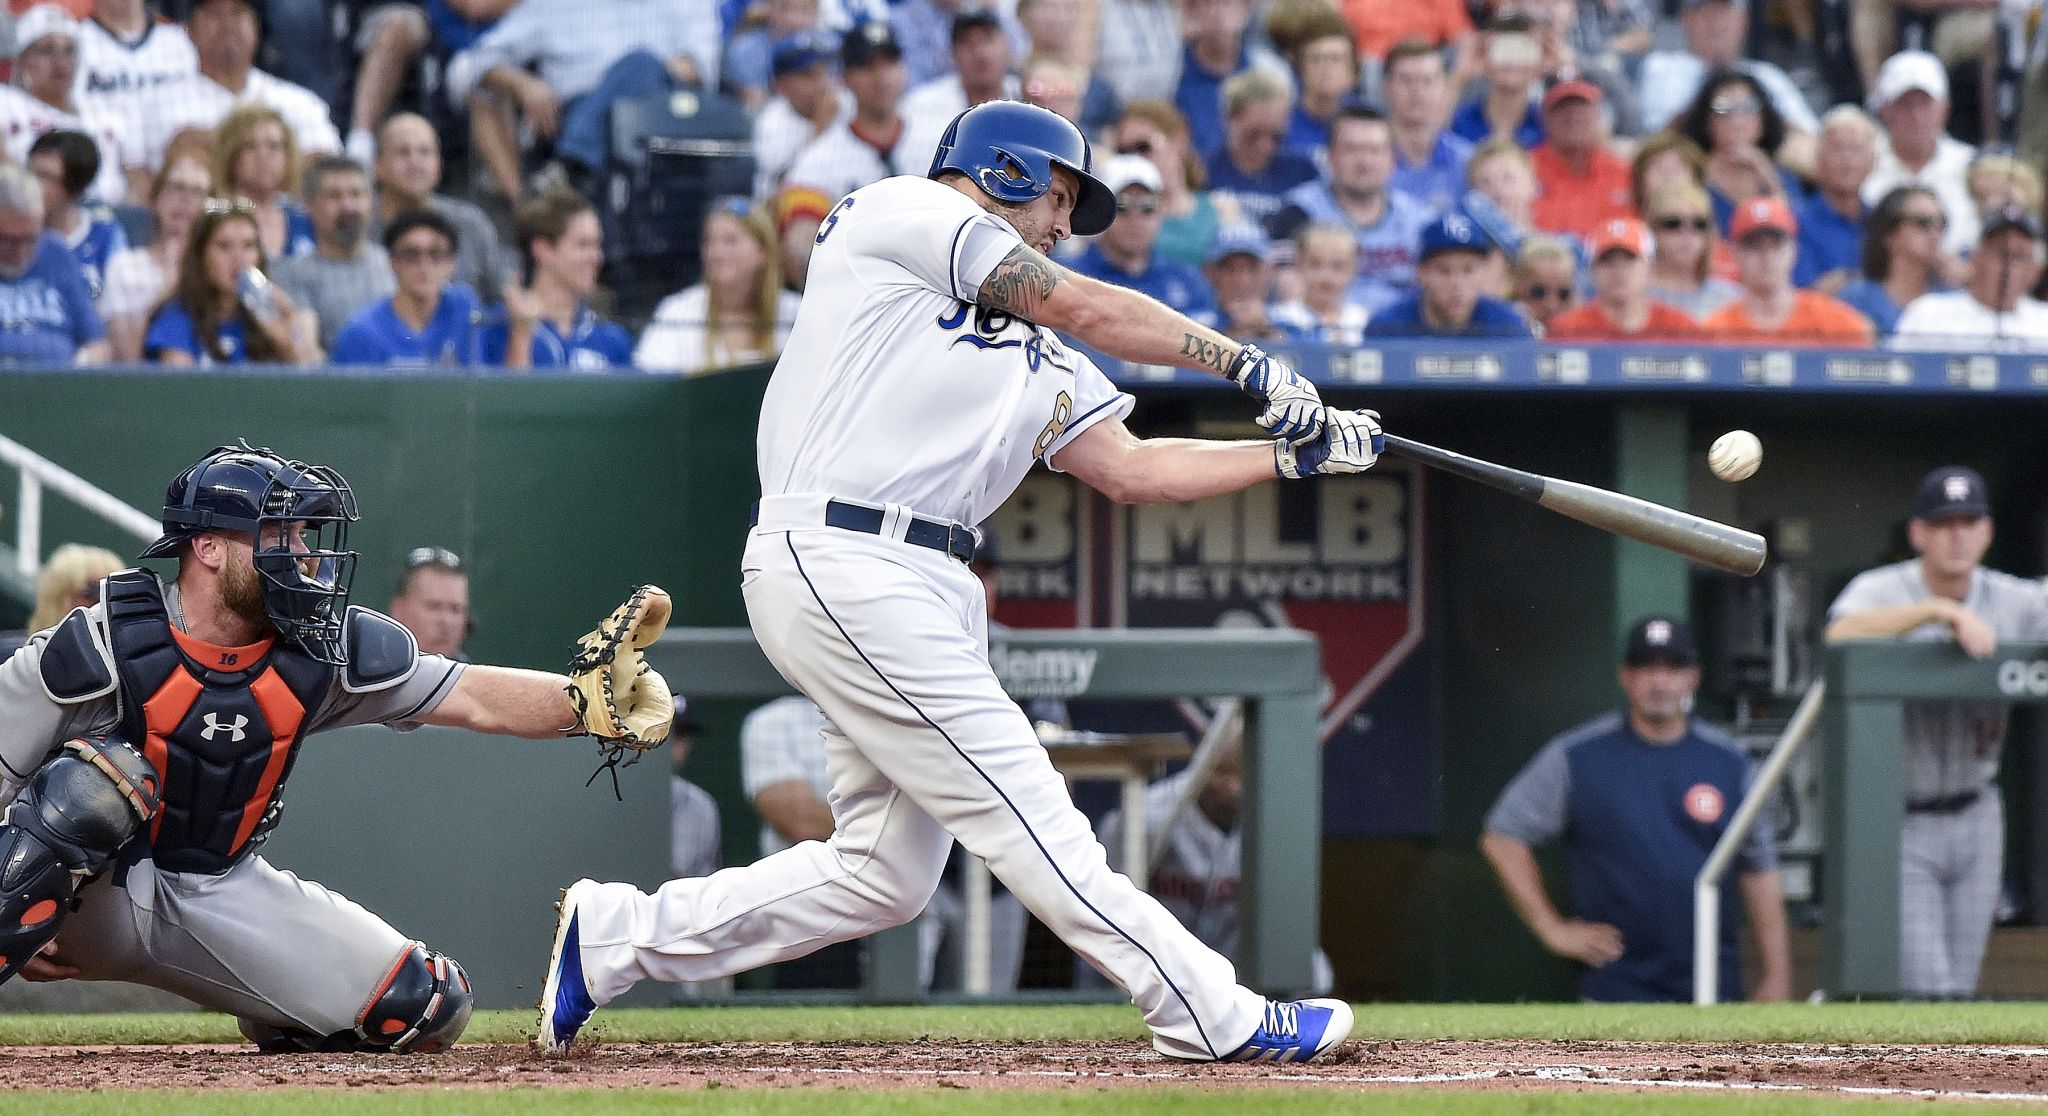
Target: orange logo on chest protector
{"x":1703,"y":803}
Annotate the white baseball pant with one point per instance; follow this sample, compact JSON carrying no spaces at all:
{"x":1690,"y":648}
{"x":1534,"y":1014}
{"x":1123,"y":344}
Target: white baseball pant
{"x":923,"y":746}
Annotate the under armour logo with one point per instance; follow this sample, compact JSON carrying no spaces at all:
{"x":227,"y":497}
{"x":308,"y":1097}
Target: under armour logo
{"x":234,"y":730}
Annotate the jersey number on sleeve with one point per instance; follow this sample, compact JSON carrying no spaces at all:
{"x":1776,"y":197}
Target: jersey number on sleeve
{"x":1062,"y":414}
{"x":832,"y":218}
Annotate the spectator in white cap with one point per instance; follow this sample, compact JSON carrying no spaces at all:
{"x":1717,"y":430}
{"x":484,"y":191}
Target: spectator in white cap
{"x":1911,"y":101}
{"x":1992,"y":310}
{"x":1127,"y":253}
{"x":45,"y":72}
{"x":1715,"y":32}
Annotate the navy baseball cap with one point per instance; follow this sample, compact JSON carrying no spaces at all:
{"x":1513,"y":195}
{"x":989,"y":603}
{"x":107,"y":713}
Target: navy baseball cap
{"x":974,"y":19}
{"x":1660,"y":639}
{"x":1951,"y":490}
{"x":1454,"y":232}
{"x":868,"y":43}
{"x":801,"y":51}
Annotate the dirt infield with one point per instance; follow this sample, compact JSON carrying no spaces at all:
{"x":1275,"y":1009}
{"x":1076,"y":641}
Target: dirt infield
{"x":1960,"y":1072}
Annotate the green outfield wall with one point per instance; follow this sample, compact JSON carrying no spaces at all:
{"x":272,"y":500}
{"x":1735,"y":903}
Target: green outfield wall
{"x":564,"y":491}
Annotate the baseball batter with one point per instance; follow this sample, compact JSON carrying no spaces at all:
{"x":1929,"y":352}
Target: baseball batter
{"x":921,"y":381}
{"x":145,"y":748}
{"x":1952,"y":840}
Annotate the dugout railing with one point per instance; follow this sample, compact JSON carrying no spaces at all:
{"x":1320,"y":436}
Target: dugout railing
{"x":1278,"y":673}
{"x":1863,"y":767}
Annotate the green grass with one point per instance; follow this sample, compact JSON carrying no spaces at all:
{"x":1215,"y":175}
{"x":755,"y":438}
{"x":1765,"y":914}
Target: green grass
{"x":1167,"y":1101}
{"x":2015,"y":1023}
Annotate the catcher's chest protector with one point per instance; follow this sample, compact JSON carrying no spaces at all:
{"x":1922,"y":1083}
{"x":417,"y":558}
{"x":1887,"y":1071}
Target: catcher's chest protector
{"x":221,"y":734}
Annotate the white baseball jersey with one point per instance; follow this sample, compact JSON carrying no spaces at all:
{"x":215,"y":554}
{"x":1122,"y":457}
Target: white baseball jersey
{"x":896,"y":388}
{"x":838,"y":162}
{"x":23,"y":119}
{"x":132,"y":81}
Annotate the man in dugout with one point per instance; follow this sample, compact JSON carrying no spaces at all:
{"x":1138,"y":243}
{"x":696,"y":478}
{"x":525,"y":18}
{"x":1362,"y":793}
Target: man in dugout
{"x":1640,"y":795}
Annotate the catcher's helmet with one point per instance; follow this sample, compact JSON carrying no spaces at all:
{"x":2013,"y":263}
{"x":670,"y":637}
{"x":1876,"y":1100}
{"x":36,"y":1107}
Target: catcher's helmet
{"x":244,"y":489}
{"x":1009,"y":149}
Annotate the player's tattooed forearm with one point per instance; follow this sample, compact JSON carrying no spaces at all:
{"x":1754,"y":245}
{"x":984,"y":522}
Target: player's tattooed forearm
{"x":1021,"y":283}
{"x":1206,"y":353}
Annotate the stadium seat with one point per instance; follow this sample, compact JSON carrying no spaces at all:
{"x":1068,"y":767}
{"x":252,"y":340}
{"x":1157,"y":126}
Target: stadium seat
{"x":671,"y":154}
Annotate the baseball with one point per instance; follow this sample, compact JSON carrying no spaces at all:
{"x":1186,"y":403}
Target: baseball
{"x":1735,"y":455}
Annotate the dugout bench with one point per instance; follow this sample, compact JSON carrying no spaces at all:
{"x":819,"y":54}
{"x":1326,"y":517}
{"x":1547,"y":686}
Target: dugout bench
{"x":1277,"y":671}
{"x":1863,"y":764}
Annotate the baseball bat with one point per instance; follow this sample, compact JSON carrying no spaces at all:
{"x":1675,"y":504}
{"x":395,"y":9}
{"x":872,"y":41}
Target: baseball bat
{"x":1702,"y":540}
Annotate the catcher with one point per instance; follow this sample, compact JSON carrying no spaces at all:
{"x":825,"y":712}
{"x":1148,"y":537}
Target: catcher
{"x":145,"y":742}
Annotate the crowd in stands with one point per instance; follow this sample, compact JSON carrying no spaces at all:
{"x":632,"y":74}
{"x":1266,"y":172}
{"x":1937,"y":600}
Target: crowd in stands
{"x":424,"y":182}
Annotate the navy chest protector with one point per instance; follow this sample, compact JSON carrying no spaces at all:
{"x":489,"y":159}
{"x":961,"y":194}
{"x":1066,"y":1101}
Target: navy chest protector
{"x":222,"y":735}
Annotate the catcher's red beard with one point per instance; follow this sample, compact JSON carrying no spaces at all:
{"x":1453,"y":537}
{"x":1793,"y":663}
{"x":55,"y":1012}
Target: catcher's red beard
{"x":241,"y":590}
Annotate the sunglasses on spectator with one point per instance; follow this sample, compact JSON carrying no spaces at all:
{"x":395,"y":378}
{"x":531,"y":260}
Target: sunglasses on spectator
{"x":1729,"y":106}
{"x":1543,"y":293}
{"x":1142,"y":147}
{"x":1677,"y":224}
{"x":439,"y":557}
{"x":1147,"y":207}
{"x":218,"y":206}
{"x":422,"y":255}
{"x":1927,"y":221}
{"x":733,"y":205}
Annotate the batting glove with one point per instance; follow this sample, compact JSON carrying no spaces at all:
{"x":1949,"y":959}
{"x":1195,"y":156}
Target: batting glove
{"x":1350,"y":442}
{"x":1294,"y":410}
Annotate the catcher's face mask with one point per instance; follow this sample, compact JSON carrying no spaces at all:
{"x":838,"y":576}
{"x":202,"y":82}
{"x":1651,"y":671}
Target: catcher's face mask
{"x":301,"y":555}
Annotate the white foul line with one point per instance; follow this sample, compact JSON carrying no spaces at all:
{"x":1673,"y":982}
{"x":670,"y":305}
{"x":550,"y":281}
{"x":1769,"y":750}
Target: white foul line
{"x":1567,"y":1074}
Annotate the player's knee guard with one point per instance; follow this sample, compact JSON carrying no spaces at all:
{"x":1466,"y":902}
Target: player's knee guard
{"x":422,"y":1008}
{"x":76,"y":812}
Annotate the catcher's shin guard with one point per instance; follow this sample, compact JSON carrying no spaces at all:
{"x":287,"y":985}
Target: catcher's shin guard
{"x":76,"y":812}
{"x":422,"y":1007}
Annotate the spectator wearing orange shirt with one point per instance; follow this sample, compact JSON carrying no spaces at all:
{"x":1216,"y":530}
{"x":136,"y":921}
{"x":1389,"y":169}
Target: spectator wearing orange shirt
{"x":1772,"y":310}
{"x":1581,"y":184}
{"x":1379,"y":24}
{"x":1621,"y":308}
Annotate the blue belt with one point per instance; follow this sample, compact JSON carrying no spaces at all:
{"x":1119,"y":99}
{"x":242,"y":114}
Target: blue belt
{"x":947,"y":538}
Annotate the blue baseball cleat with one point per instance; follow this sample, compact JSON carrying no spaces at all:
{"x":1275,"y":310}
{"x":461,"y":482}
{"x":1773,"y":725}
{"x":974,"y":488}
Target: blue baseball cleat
{"x":1295,"y":1032}
{"x":565,"y":1003}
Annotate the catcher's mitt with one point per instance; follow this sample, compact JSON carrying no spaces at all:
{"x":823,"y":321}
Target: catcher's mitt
{"x":618,"y":697}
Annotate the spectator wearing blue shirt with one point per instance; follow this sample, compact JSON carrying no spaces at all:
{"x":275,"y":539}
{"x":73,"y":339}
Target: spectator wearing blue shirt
{"x":256,"y":159}
{"x":1447,"y":301}
{"x":1217,"y":49}
{"x":428,"y":320}
{"x":1127,"y":253}
{"x":1429,"y":162}
{"x":1902,"y":256}
{"x":221,"y":310}
{"x":1251,"y":168}
{"x":1507,"y":96}
{"x":1640,"y":797}
{"x":1831,"y":219}
{"x":1387,"y":223}
{"x":46,"y":315}
{"x":548,"y":324}
{"x":1240,"y":271}
{"x":1317,"y":44}
{"x":65,"y":163}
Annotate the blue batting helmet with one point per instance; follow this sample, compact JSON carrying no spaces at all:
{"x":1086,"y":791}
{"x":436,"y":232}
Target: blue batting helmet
{"x":1009,"y":149}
